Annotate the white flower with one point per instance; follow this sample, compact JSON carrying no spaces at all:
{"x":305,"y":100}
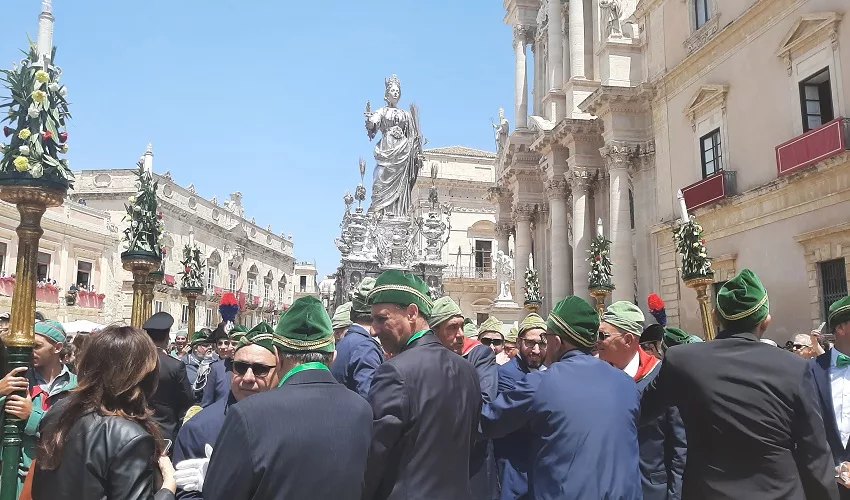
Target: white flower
{"x":25,"y":150}
{"x":63,"y":91}
{"x":2,"y":147}
{"x":53,"y":87}
{"x":32,"y":112}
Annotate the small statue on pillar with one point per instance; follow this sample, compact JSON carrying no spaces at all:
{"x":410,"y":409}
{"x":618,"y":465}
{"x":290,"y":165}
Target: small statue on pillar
{"x":614,"y":12}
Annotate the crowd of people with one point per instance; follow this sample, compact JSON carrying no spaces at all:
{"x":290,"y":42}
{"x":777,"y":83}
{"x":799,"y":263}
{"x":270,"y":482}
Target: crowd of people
{"x":398,"y":396}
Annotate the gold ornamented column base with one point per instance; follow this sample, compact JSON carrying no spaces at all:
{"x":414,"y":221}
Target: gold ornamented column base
{"x":701,"y":285}
{"x":191,"y":295}
{"x":532,"y":306}
{"x":600,"y":294}
{"x":140,"y":264}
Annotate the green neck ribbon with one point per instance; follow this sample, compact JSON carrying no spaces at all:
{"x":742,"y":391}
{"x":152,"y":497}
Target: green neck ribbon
{"x":315,"y":365}
{"x":417,"y":335}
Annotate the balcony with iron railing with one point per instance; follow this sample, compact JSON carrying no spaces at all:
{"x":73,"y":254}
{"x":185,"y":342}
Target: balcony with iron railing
{"x":828,"y":140}
{"x":711,"y":189}
{"x":473,"y":272}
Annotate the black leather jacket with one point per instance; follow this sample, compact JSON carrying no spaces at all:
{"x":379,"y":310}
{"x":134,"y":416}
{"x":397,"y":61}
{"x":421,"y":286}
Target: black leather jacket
{"x":104,"y":458}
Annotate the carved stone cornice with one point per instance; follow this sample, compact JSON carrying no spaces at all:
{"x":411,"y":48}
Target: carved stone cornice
{"x":498,"y":194}
{"x":579,"y":129}
{"x":645,"y":158}
{"x":557,"y":190}
{"x":619,"y":99}
{"x":705,"y":100}
{"x":809,"y":31}
{"x":504,"y":229}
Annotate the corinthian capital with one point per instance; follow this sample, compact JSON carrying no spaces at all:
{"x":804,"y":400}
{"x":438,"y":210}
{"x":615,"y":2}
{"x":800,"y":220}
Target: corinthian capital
{"x":579,"y":179}
{"x":523,"y":34}
{"x":618,"y":155}
{"x":557,"y":190}
{"x":523,"y":212}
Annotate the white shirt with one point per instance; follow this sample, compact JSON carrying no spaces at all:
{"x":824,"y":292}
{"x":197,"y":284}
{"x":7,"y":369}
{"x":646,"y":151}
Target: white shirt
{"x":839,"y":381}
{"x":631,"y":369}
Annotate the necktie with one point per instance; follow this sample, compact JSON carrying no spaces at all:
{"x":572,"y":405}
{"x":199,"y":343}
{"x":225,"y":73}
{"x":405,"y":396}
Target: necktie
{"x":842,"y":361}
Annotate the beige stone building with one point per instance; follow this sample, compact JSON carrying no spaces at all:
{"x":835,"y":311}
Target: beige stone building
{"x":305,"y":282}
{"x":77,"y":250}
{"x":736,"y":102}
{"x":241,"y":256}
{"x":464,"y":178}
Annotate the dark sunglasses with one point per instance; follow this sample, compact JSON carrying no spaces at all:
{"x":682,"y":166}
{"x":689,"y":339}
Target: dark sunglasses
{"x":259,"y":369}
{"x":529,"y":344}
{"x":222,"y":343}
{"x":797,"y":347}
{"x":489,"y":342}
{"x":603,"y":335}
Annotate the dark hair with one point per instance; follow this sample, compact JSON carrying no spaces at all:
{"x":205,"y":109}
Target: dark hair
{"x":109,"y":388}
{"x":39,"y":316}
{"x":358,"y":317}
{"x":308,"y":357}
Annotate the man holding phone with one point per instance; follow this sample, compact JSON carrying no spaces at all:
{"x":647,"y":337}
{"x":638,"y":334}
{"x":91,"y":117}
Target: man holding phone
{"x":254,"y":371}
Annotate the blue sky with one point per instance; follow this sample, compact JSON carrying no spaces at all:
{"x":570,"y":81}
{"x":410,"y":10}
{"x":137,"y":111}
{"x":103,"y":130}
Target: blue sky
{"x":266,"y":97}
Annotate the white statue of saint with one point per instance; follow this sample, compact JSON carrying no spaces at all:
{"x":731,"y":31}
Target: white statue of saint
{"x":501,"y":130}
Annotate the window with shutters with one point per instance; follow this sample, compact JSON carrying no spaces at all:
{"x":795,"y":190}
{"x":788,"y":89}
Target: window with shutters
{"x":833,"y":282}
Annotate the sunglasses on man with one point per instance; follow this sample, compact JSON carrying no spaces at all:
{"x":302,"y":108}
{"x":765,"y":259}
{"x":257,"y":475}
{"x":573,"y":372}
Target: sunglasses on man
{"x":494,"y":342}
{"x":259,"y":369}
{"x":225,"y":343}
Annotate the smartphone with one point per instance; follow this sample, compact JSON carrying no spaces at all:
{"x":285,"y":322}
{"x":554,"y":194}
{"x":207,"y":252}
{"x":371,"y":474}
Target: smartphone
{"x":167,"y":447}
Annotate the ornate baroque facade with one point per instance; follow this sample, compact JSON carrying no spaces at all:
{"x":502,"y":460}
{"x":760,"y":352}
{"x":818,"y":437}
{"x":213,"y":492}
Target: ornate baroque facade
{"x":736,"y":102}
{"x":241,"y":256}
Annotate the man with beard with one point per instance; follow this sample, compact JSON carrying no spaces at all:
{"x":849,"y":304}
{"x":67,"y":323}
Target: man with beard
{"x":447,"y":323}
{"x":512,"y":450}
{"x":425,"y":401}
{"x":662,"y":441}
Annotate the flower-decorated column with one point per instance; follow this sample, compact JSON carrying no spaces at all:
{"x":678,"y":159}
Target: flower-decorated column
{"x":533,"y":297}
{"x":599,"y":277}
{"x":143,"y":254}
{"x":696,"y":265}
{"x":34,"y":176}
{"x":192,"y":281}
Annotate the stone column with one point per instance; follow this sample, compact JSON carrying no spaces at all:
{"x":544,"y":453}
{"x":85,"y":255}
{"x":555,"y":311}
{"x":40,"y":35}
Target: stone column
{"x":521,"y":82}
{"x":556,"y":192}
{"x":576,"y":28}
{"x":579,"y":180}
{"x":503,"y":232}
{"x":555,"y":78}
{"x":618,"y":158}
{"x":522,"y":217}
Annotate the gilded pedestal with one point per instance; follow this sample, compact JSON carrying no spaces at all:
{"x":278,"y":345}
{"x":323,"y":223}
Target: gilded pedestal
{"x":31,"y":201}
{"x":140,"y":264}
{"x":191,"y":295}
{"x":531,"y":306}
{"x":701,"y":285}
{"x":600,"y":294}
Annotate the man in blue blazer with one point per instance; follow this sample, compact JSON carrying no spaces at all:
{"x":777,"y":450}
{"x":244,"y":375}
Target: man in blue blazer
{"x":831,"y":371}
{"x":358,"y":354}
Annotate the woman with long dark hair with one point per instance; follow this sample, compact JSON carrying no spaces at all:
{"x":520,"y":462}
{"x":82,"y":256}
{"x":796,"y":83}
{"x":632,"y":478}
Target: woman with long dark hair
{"x":101,"y":442}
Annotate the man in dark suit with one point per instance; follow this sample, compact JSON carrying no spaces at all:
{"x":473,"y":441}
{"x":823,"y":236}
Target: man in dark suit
{"x":581,"y":412}
{"x":307,"y":439}
{"x":513,"y":451}
{"x":218,"y":379}
{"x":750,"y":410}
{"x":425,"y":401}
{"x":662,"y":442}
{"x":831,"y":371}
{"x":173,"y":394}
{"x":446,"y":321}
{"x":358,"y":355}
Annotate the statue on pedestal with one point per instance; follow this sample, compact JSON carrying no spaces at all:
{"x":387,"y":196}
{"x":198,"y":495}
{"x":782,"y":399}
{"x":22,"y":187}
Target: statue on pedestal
{"x":398,"y":155}
{"x":501,"y":130}
{"x":614,"y":12}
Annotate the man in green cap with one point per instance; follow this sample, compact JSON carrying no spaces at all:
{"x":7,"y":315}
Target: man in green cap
{"x":512,"y":451}
{"x":254,"y":370}
{"x":425,"y":400}
{"x":750,"y":410}
{"x":581,"y":414}
{"x":48,"y":382}
{"x":662,"y":441}
{"x":341,"y":321}
{"x":831,"y":371}
{"x":490,"y":334}
{"x":446,"y":321}
{"x":309,"y":438}
{"x":358,"y":354}
{"x":510,"y":350}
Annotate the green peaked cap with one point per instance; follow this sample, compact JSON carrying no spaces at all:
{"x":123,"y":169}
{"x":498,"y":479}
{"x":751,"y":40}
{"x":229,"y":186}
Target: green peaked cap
{"x":469,"y":328}
{"x":51,"y":329}
{"x":625,"y":316}
{"x":305,"y":327}
{"x":532,"y":321}
{"x":491,"y":324}
{"x":575,"y":320}
{"x":199,"y":337}
{"x":342,"y":316}
{"x":839,"y":312}
{"x":512,"y":334}
{"x":675,"y":336}
{"x":359,"y":303}
{"x":397,"y":287}
{"x":742,"y":302}
{"x":262,"y":335}
{"x":444,"y":309}
{"x":238,"y":332}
